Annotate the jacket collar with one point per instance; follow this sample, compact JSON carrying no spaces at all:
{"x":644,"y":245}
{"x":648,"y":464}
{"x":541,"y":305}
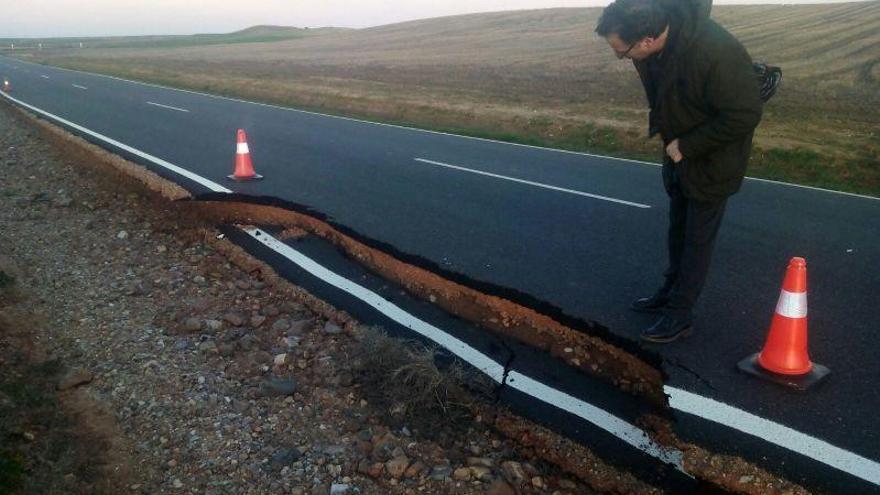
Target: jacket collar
{"x":688,"y":18}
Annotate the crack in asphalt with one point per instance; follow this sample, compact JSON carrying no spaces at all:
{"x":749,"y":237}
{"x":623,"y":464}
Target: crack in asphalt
{"x":507,"y":368}
{"x":677,"y":363}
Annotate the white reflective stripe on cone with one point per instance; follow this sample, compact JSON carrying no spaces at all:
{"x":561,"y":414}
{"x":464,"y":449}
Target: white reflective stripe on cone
{"x":242,"y":149}
{"x":792,"y":304}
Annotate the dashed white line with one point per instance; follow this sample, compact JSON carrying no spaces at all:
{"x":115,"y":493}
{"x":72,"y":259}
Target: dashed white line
{"x":78,"y":86}
{"x":168,"y":107}
{"x":536,"y":184}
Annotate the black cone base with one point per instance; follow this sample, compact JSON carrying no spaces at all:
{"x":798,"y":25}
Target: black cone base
{"x":800,"y":382}
{"x":244,"y":179}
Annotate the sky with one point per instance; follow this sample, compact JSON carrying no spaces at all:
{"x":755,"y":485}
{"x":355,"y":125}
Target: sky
{"x":55,"y":18}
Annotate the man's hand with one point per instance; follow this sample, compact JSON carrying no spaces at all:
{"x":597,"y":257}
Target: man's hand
{"x":673,"y":152}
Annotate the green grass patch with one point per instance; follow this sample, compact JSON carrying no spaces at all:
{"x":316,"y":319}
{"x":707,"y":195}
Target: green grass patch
{"x":807,"y":167}
{"x":6,"y":280}
{"x":12,"y":472}
{"x":32,"y":388}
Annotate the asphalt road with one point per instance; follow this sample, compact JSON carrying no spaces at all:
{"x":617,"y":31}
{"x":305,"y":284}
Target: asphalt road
{"x":589,"y":246}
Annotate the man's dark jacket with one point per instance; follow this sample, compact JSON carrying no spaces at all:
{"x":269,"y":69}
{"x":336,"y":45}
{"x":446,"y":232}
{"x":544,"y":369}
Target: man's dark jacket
{"x":704,"y":93}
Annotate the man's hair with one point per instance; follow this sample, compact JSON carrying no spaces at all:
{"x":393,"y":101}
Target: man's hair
{"x":633,"y":20}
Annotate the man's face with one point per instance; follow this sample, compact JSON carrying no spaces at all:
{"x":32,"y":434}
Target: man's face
{"x":639,"y":50}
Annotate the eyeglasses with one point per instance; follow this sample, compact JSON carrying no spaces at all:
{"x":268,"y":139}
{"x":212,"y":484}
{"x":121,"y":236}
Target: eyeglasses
{"x":621,"y":56}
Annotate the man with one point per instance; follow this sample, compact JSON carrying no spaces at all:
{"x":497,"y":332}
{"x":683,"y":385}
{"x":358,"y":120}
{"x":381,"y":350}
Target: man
{"x":705,"y":103}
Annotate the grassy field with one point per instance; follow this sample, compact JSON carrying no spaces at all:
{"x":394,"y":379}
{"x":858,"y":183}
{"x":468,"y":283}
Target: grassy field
{"x":542,"y":77}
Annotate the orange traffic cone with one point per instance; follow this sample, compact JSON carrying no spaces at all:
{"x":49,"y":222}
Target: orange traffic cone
{"x":7,"y":87}
{"x":785,"y":359}
{"x":244,"y":168}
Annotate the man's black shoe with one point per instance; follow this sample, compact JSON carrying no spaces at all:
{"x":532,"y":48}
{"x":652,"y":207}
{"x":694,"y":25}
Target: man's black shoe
{"x":667,"y":329}
{"x":653,"y":304}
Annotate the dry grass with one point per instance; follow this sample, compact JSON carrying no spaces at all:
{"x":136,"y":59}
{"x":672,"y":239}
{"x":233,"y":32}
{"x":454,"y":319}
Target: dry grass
{"x":543,"y":77}
{"x":403,"y":378}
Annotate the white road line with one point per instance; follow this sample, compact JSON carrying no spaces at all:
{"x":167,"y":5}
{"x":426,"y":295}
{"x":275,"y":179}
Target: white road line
{"x":536,"y":184}
{"x":811,"y":188}
{"x":168,"y":107}
{"x":621,"y":429}
{"x":775,"y":433}
{"x":441,"y":133}
{"x":158,"y":161}
{"x":78,"y":86}
{"x":703,"y":407}
{"x":631,"y":434}
{"x":45,"y":76}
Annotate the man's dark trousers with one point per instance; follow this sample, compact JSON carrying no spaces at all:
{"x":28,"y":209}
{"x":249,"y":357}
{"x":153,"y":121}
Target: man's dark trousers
{"x":693,"y":227}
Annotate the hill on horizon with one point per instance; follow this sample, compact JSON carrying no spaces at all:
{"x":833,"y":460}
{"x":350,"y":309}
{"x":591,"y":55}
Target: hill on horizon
{"x":274,"y":29}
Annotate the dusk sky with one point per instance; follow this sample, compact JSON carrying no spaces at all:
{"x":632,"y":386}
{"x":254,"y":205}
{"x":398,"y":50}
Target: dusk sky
{"x":51,"y":18}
